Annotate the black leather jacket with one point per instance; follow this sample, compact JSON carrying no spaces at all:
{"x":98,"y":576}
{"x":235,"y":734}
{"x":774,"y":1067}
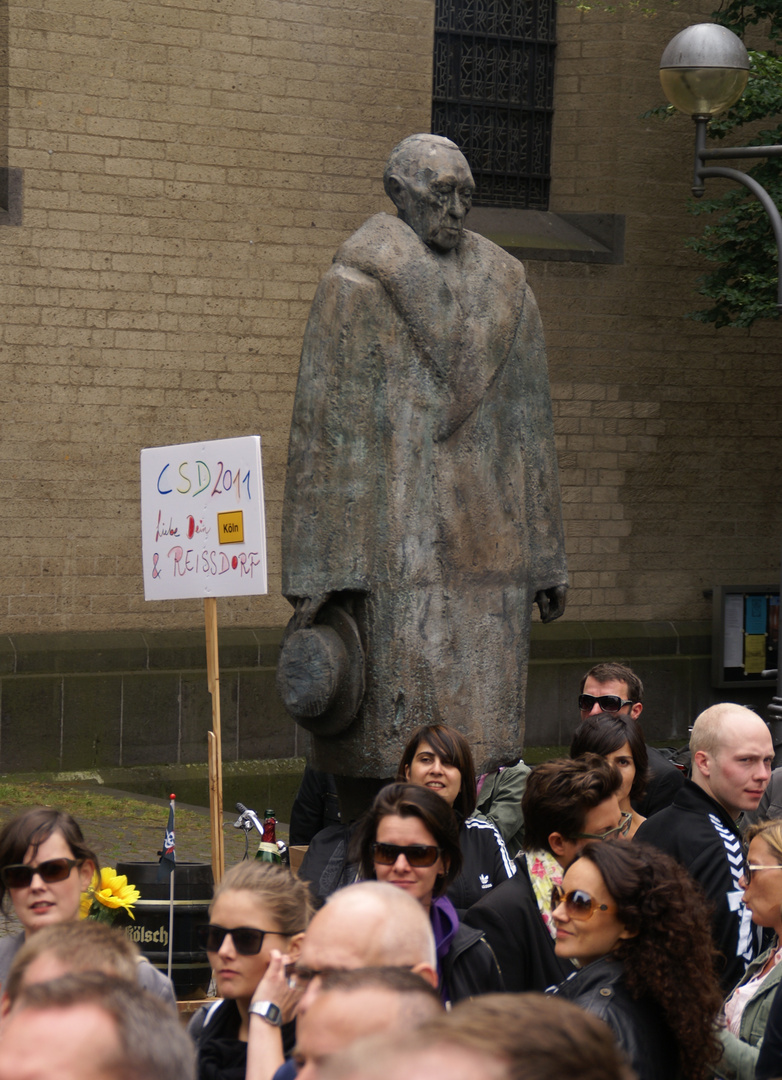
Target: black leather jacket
{"x":639,"y":1026}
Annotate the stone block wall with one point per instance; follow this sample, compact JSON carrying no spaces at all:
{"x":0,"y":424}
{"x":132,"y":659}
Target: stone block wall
{"x":666,"y":427}
{"x":189,"y":169}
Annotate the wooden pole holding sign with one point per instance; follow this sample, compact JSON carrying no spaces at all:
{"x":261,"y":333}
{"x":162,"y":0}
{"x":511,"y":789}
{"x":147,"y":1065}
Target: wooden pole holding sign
{"x":203,"y":534}
{"x":214,"y":740}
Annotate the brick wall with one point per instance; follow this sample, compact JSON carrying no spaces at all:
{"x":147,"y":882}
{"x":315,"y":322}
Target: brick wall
{"x":189,"y":169}
{"x":667,"y":429}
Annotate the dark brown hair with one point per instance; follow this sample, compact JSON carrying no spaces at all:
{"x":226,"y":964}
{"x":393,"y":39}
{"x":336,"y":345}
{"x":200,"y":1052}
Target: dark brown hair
{"x":560,"y":794}
{"x":410,"y":800}
{"x":672,"y":957}
{"x":612,"y":672}
{"x":31,"y":828}
{"x":452,"y":747}
{"x":607,"y":732}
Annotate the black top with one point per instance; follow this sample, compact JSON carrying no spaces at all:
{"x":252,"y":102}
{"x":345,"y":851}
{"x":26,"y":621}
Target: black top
{"x":513,"y":926}
{"x":700,"y":833}
{"x":664,"y":782}
{"x":638,"y":1024}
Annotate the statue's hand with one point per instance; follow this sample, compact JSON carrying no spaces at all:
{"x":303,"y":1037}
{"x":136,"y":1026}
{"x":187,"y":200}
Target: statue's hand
{"x":305,"y":613}
{"x":551,"y":602}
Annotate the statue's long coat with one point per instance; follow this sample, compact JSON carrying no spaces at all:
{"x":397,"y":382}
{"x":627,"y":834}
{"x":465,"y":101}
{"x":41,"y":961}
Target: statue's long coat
{"x":422,"y":476}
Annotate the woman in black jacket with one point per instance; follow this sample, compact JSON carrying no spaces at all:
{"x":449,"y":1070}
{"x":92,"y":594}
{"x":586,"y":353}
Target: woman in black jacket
{"x":639,"y":929}
{"x":439,"y":758}
{"x":410,"y":838}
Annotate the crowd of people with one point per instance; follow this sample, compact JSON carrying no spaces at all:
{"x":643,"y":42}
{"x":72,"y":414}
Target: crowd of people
{"x":631,"y":930}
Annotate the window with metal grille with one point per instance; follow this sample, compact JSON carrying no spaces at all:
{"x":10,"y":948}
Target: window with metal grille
{"x":493,"y":94}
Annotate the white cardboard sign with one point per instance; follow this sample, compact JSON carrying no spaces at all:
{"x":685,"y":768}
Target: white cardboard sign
{"x":203,"y":526}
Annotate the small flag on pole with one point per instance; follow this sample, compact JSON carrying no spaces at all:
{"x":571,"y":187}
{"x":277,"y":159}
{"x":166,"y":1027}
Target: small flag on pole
{"x":168,"y":854}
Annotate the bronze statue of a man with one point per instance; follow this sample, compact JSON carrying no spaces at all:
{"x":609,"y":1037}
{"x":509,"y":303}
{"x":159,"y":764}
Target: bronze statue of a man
{"x":422,"y":511}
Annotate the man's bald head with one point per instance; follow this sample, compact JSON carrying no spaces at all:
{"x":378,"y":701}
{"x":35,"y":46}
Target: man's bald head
{"x":715,"y":724}
{"x":370,"y":924}
{"x":732,"y":755}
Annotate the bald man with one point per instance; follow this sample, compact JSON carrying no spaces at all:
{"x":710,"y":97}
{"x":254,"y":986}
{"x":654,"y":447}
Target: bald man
{"x":357,"y":1003}
{"x":369,"y":924}
{"x":731,"y":752}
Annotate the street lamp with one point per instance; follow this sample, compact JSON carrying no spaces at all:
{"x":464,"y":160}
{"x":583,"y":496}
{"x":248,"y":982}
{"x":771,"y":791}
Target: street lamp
{"x":704,"y":71}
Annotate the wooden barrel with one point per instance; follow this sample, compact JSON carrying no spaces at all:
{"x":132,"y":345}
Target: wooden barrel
{"x":193,"y":886}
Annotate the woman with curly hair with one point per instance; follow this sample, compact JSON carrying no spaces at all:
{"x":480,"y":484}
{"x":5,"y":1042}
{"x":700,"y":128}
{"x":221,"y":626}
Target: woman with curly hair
{"x":639,"y":929}
{"x":620,"y":740}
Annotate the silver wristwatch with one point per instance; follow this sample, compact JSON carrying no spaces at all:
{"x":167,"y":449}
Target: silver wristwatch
{"x":268,"y":1011}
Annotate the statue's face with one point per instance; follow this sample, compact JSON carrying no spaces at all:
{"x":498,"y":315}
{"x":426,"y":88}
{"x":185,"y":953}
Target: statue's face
{"x":436,"y":195}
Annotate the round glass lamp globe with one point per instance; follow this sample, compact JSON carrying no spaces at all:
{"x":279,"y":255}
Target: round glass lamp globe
{"x":704,"y":69}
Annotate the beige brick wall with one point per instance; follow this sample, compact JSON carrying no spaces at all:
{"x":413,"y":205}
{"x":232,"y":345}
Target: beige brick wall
{"x":191,"y":166}
{"x":667,"y":429}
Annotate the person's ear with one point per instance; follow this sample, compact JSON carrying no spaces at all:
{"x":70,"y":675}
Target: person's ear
{"x":636,"y":710}
{"x":407,"y":773}
{"x":294,"y":945}
{"x":5,"y":1006}
{"x":701,"y":759}
{"x":627,"y":934}
{"x":86,"y":874}
{"x":557,"y":844}
{"x":428,"y":973}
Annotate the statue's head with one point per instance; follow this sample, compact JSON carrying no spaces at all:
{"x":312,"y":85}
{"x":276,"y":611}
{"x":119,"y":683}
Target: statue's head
{"x":429,"y":181}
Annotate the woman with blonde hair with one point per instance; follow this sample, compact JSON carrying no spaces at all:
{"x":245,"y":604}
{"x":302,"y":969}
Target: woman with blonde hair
{"x":747,"y":1007}
{"x":256,"y":924}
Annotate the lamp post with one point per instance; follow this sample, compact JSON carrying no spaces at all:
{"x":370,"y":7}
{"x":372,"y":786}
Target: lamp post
{"x":703,"y":71}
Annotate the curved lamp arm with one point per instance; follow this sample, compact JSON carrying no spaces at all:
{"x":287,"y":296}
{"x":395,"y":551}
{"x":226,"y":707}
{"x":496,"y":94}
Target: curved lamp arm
{"x":703,"y":172}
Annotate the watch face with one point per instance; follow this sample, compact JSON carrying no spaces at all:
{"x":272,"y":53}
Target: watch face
{"x":268,"y":1010}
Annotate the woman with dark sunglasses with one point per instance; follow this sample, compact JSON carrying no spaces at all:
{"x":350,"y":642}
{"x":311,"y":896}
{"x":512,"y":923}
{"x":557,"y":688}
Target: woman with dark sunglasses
{"x":256,"y":923}
{"x":410,"y":838}
{"x":45,"y":866}
{"x":638,"y":927}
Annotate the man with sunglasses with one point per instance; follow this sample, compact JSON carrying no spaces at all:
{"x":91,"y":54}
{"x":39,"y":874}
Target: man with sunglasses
{"x":615,"y":688}
{"x":731,"y":752}
{"x":566,"y":804}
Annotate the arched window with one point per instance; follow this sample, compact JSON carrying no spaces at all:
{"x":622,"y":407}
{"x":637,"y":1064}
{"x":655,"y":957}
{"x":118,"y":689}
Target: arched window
{"x":493,"y":94}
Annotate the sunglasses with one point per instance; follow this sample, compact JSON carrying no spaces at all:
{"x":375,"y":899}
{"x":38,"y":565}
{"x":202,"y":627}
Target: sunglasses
{"x":416,"y":854}
{"x":622,"y":829}
{"x":20,"y":875}
{"x":579,"y":905}
{"x":247,"y":940}
{"x":750,"y":869}
{"x":607,"y":702}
